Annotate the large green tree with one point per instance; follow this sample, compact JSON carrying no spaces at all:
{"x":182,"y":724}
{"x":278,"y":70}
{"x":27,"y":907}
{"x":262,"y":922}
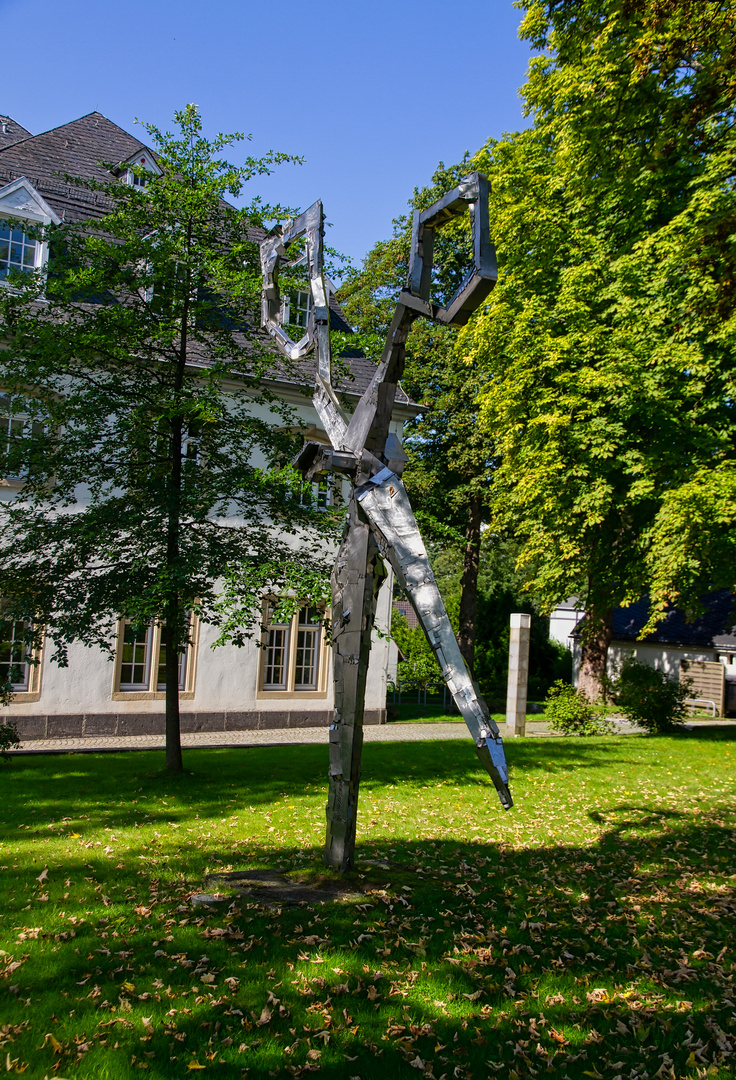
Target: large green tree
{"x":608,"y":343}
{"x":153,"y":454}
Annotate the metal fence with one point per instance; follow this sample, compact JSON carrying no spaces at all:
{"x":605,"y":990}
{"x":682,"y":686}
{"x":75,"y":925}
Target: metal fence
{"x":412,"y":691}
{"x":697,"y":705}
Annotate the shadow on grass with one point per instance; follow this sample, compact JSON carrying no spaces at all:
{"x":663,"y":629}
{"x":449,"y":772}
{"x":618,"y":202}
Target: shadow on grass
{"x":706,"y":732}
{"x":462,"y":959}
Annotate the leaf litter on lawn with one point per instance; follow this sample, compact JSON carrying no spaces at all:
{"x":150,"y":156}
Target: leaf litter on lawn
{"x":591,"y":934}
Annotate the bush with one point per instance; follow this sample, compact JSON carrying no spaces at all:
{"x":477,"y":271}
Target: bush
{"x":8,"y":738}
{"x":649,"y":698}
{"x":568,"y":711}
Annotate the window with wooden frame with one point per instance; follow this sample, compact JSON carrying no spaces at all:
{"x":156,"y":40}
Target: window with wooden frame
{"x":294,"y":654}
{"x":15,"y":429}
{"x":140,"y":662}
{"x":20,"y":666}
{"x":297,"y":306}
{"x":317,"y":494}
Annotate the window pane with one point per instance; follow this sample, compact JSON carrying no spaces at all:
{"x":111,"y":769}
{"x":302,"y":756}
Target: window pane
{"x":308,"y":616}
{"x":277,"y":651}
{"x":14,"y":668}
{"x":20,"y":254}
{"x":270,"y":620}
{"x":307,"y":652}
{"x":309,"y":634}
{"x":135,"y":663}
{"x":12,"y":428}
{"x":300,"y":301}
{"x":323,"y":494}
{"x":161,"y":675}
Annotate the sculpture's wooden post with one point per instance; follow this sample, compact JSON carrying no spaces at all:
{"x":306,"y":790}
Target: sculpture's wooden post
{"x":518,"y":674}
{"x":356,"y":578}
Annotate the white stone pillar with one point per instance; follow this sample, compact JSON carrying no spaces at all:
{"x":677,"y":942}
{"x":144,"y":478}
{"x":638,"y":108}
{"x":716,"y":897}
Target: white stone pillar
{"x":518,"y":674}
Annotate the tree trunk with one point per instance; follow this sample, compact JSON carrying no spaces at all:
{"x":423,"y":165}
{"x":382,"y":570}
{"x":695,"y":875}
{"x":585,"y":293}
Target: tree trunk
{"x":171,"y":630}
{"x":169,"y":639}
{"x":596,"y":638}
{"x":469,"y":584}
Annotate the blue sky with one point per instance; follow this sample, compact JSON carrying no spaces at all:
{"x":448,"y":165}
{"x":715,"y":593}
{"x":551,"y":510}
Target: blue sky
{"x":372,"y":95}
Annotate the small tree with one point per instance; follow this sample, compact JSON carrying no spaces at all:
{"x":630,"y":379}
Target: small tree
{"x":8,"y":738}
{"x":419,"y":664}
{"x":153,"y":453}
{"x":569,"y":712}
{"x":650,"y":698}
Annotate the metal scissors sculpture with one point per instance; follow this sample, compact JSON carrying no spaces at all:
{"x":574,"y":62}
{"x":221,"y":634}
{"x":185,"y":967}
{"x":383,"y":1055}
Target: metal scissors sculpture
{"x":380,"y":525}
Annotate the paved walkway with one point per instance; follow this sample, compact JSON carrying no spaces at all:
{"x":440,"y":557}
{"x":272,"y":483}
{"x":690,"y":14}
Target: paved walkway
{"x":223,"y":739}
{"x":401,"y":732}
{"x":397,"y":732}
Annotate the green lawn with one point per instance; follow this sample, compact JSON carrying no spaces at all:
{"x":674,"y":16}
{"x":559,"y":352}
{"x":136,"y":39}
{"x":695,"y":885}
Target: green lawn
{"x":589,"y":932}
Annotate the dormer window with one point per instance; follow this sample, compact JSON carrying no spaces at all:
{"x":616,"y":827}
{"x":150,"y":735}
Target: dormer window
{"x":23,"y":213}
{"x":138,"y":170}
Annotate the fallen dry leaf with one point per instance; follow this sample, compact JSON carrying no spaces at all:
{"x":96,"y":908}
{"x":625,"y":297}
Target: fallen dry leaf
{"x":55,"y":1044}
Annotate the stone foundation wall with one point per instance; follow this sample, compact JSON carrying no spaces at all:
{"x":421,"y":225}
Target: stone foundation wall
{"x":95,"y":725}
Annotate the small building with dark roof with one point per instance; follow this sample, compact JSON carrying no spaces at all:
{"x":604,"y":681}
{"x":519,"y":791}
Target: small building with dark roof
{"x":701,"y":647}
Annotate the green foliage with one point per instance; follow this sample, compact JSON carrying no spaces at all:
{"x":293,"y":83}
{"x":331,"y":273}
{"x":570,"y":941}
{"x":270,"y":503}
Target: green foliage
{"x":650,"y":698}
{"x":419,"y":664}
{"x":569,"y":712}
{"x":607,"y":348}
{"x":548,"y":660}
{"x":9,"y":738}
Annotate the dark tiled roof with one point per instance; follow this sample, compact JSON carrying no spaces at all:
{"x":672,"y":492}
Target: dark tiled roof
{"x":713,"y":628}
{"x":76,"y":149}
{"x":573,"y":603}
{"x":11,"y":132}
{"x":337,"y":319}
{"x":351,"y":377}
